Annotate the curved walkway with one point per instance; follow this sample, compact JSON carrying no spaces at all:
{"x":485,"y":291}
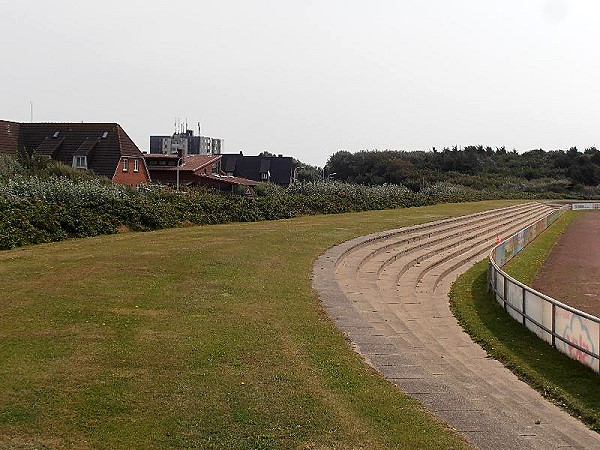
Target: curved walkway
{"x":389,"y":293}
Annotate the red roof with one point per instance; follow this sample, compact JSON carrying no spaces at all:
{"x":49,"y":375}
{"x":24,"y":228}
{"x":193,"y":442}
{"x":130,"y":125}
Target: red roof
{"x":189,"y":163}
{"x":9,"y":137}
{"x":230,"y":180}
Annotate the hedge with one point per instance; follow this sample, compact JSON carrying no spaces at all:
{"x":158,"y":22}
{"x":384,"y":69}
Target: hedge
{"x":34,"y":210}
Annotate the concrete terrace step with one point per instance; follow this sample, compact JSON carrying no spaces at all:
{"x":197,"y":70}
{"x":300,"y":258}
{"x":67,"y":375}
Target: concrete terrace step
{"x":388,"y":293}
{"x":422,"y":247}
{"x":370,"y":288}
{"x":390,"y":238}
{"x":420,"y":234}
{"x":373,"y":309}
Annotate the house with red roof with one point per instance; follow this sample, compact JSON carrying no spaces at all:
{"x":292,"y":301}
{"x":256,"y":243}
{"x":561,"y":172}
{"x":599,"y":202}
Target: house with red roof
{"x":102,"y":148}
{"x":195,"y":170}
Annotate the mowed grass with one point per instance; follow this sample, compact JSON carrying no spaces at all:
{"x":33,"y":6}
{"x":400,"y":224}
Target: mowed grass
{"x":559,"y":378}
{"x":200,"y":337}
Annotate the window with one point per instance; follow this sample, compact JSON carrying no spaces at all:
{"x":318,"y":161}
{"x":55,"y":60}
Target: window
{"x":55,"y":135}
{"x":136,"y":165}
{"x":104,"y":135}
{"x":80,"y":162}
{"x":125,"y":164}
{"x":264,"y":176}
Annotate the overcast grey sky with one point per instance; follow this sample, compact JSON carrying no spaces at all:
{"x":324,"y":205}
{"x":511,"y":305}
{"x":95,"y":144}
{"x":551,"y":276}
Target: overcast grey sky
{"x":308,"y":78}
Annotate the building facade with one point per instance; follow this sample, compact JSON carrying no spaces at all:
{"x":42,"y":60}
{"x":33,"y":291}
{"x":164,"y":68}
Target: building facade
{"x":184,"y":144}
{"x":102,"y":148}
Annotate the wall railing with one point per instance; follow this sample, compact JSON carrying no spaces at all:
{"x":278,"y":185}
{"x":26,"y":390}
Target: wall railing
{"x":572,"y":332}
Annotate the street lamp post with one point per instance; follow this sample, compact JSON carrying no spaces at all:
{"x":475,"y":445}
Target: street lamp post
{"x":295,"y":175}
{"x":178,"y":166}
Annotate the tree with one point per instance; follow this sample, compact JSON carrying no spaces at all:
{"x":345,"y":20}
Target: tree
{"x":343,"y":164}
{"x":307,"y":173}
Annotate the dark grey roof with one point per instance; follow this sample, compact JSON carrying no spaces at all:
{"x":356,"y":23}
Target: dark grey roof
{"x":103,"y":143}
{"x":228,"y":164}
{"x":280,"y":168}
{"x":86,"y":147}
{"x":265,"y":164}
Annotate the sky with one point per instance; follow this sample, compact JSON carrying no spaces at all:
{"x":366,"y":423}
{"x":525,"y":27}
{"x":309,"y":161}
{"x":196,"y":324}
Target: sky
{"x":309,"y":78}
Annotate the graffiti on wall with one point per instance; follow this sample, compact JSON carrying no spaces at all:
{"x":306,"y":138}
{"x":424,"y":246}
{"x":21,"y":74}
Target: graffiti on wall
{"x":514,"y":244}
{"x":579,"y":331}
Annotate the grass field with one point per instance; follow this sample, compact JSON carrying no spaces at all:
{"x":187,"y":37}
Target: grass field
{"x":200,"y":337}
{"x":565,"y":381}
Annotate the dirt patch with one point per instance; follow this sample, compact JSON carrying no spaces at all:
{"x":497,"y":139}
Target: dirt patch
{"x":571,"y":274}
{"x":123,"y":229}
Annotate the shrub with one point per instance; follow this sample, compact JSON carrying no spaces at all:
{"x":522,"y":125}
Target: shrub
{"x":35,"y":210}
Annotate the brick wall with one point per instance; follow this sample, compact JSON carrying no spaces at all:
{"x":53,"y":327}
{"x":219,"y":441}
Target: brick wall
{"x":130,"y":176}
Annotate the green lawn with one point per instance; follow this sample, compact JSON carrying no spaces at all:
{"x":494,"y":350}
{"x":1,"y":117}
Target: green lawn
{"x":567,"y":382}
{"x":200,"y":337}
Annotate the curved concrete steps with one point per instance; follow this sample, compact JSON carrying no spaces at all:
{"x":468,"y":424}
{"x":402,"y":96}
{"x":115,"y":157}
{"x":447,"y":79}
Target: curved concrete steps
{"x":389,"y":293}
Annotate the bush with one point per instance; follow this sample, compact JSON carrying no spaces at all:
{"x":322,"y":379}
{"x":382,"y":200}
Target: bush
{"x":35,"y":210}
{"x":9,"y":168}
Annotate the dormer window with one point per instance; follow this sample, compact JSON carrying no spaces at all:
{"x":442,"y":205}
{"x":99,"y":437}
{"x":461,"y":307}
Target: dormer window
{"x":80,"y":162}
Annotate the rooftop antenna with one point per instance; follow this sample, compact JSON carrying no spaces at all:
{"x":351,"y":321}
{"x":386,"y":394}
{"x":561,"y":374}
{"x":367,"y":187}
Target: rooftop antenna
{"x":199,"y":134}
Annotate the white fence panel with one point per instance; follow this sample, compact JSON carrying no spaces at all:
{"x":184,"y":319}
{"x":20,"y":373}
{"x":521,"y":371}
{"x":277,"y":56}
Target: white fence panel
{"x":515,"y":299}
{"x":575,"y":333}
{"x":541,"y":312}
{"x":500,"y":288}
{"x":584,"y":206}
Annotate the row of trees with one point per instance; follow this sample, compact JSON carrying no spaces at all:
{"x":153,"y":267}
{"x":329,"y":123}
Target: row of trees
{"x":477,"y":166}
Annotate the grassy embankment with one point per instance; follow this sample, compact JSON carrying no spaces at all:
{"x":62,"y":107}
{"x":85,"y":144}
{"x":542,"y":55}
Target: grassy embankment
{"x":565,"y":381}
{"x":200,"y":337}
